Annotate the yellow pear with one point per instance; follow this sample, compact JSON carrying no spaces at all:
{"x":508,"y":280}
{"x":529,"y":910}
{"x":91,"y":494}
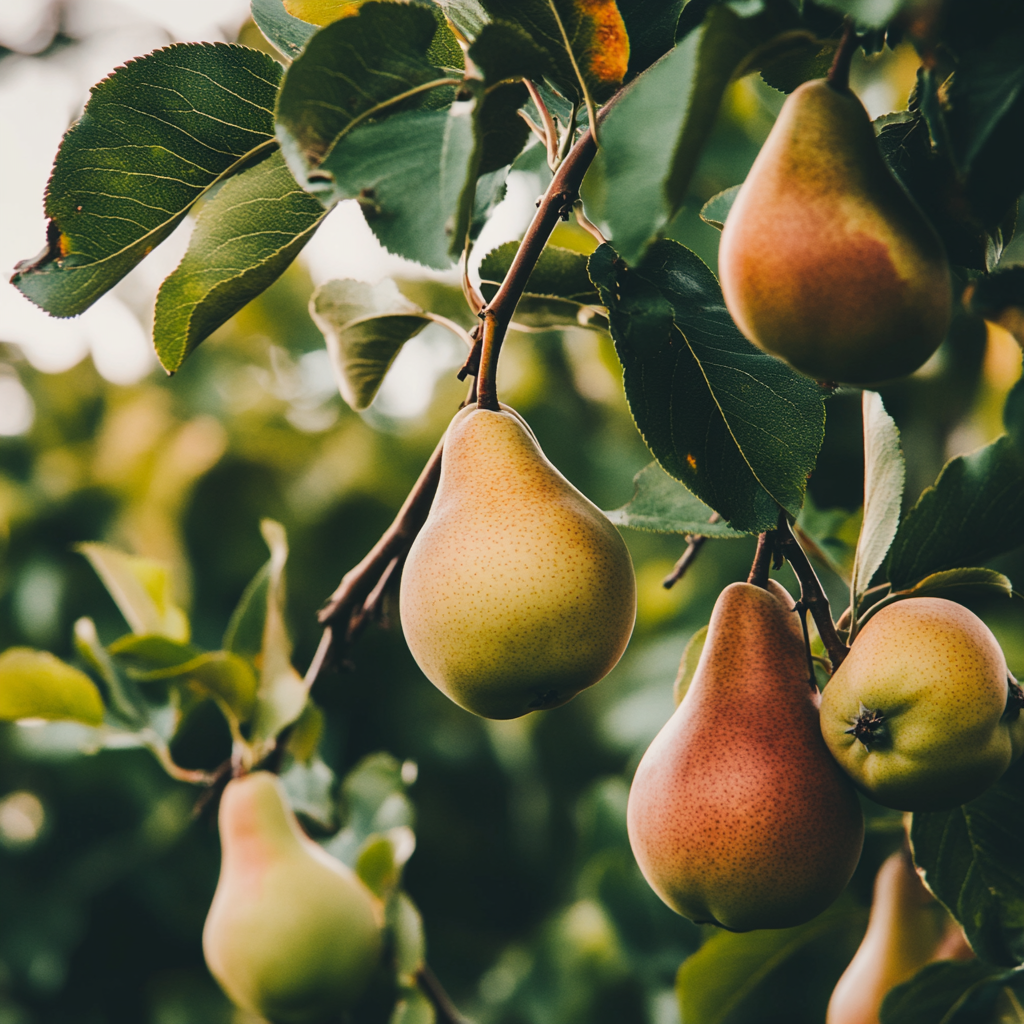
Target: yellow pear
{"x":917,"y":712}
{"x":908,"y":928}
{"x":825,"y":261}
{"x":518,"y":592}
{"x":737,"y":815}
{"x":293,"y":934}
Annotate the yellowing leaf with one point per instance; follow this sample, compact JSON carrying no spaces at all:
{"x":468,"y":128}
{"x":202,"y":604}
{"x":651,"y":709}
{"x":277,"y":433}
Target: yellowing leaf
{"x":36,"y":684}
{"x":602,"y":42}
{"x":141,"y":588}
{"x":322,"y":12}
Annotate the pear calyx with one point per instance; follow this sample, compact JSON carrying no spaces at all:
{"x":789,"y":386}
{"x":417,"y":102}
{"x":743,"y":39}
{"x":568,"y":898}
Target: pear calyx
{"x":867,"y":726}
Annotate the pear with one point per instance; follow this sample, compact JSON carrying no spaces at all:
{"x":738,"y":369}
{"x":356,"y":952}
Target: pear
{"x":737,"y":814}
{"x":825,"y":261}
{"x":518,"y":592}
{"x":292,"y":935}
{"x":908,"y":928}
{"x":917,"y":712}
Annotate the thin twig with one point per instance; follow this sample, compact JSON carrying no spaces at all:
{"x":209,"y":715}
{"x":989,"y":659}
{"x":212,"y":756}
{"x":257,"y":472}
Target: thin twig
{"x":447,"y":1013}
{"x":693,"y":546}
{"x":587,"y":224}
{"x":812,"y":596}
{"x":550,"y":132}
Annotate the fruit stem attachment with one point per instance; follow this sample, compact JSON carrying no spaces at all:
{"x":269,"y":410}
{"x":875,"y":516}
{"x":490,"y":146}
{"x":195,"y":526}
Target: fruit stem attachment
{"x":440,"y":1000}
{"x":812,"y":595}
{"x":762,"y":560}
{"x":839,"y":73}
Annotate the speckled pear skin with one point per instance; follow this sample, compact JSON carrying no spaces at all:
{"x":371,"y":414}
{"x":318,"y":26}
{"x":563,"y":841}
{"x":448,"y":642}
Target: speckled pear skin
{"x":824,"y":260}
{"x":518,"y":592}
{"x":737,"y":814}
{"x":938,"y":675}
{"x":292,"y":935}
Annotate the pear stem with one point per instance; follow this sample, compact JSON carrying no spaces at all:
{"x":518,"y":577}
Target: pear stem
{"x":812,"y":595}
{"x":839,"y":73}
{"x":762,"y":560}
{"x":441,"y":1001}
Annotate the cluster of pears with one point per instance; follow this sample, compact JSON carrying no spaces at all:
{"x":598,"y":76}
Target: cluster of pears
{"x":292,"y":935}
{"x":517,"y":592}
{"x":743,"y":811}
{"x":825,"y":261}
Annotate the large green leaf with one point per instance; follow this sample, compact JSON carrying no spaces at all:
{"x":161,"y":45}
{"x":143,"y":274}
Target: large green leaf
{"x":36,"y":684}
{"x":365,"y":327}
{"x":1013,"y":415}
{"x":155,"y":137}
{"x":651,"y":139}
{"x":884,"y":475}
{"x":366,"y":66}
{"x":651,"y":26}
{"x":973,"y":512}
{"x":141,"y":589}
{"x":664,"y":505}
{"x":735,"y":425}
{"x":972,"y":858}
{"x":288,"y":34}
{"x":869,"y":13}
{"x":244,"y":239}
{"x":953,"y":992}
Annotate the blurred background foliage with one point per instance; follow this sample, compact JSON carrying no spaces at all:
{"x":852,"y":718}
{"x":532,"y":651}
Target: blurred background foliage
{"x":535,"y":912}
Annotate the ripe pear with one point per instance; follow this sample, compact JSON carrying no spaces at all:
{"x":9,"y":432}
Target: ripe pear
{"x":908,"y":928}
{"x":825,"y":261}
{"x":737,"y":815}
{"x":917,"y":712}
{"x":518,"y":592}
{"x":292,"y":935}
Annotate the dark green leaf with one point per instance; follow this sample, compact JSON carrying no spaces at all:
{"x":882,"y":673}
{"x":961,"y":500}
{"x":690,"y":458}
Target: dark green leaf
{"x":1000,"y":298}
{"x":222,"y":674}
{"x":830,"y":536}
{"x":973,"y":860}
{"x":151,"y":650}
{"x":963,"y":584}
{"x":738,"y":427}
{"x":948,"y":993}
{"x":733,"y":978}
{"x":504,"y":50}
{"x":244,"y":634}
{"x":664,"y":505}
{"x":651,"y":26}
{"x":973,"y":512}
{"x":652,"y":137}
{"x":288,"y":34}
{"x":717,"y":208}
{"x":406,"y":926}
{"x":35,"y":684}
{"x":244,"y":239}
{"x":414,"y":176}
{"x":796,"y":58}
{"x":1013,"y":415}
{"x":365,"y":327}
{"x":371,"y":64}
{"x":154,"y":138}
{"x":502,"y":132}
{"x":869,"y":13}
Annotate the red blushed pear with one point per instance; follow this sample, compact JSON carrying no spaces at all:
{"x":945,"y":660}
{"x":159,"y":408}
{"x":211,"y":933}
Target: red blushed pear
{"x":738,"y":816}
{"x":825,"y":261}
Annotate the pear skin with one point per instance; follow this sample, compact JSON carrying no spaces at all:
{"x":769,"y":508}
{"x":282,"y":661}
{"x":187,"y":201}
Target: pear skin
{"x":825,"y":261}
{"x":737,"y":814}
{"x":518,"y":592}
{"x":936,"y":676}
{"x":292,"y":935}
{"x":908,"y":928}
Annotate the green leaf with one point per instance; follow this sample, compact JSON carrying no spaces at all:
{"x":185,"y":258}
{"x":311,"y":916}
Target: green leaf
{"x":884,"y":475}
{"x":366,"y":66}
{"x":795,"y":58}
{"x":311,"y":786}
{"x":950,"y":992}
{"x":141,"y":589}
{"x":504,"y":50}
{"x":1000,"y":298}
{"x":973,"y":512}
{"x":365,"y":327}
{"x":733,"y":977}
{"x":972,"y":858}
{"x":869,"y":13}
{"x":412,"y":1007}
{"x":688,"y":664}
{"x":155,"y":137}
{"x":468,"y":16}
{"x":1013,"y":415}
{"x":225,"y":676}
{"x":244,"y":239}
{"x":377,"y":867}
{"x":406,"y":926}
{"x":413,"y":174}
{"x":153,"y":650}
{"x":304,"y":739}
{"x":717,"y":208}
{"x":663,"y":505}
{"x":652,"y":138}
{"x":121,"y":696}
{"x":651,"y":27}
{"x":288,"y":34}
{"x":830,"y":536}
{"x":963,"y":585}
{"x":244,"y":634}
{"x":36,"y":684}
{"x":736,"y":426}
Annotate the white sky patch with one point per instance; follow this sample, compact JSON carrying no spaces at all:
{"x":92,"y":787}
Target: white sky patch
{"x":16,"y":408}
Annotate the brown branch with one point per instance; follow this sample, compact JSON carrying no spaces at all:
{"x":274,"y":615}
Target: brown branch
{"x":440,"y":1000}
{"x":688,"y":557}
{"x":762,"y":560}
{"x":812,"y":596}
{"x":839,"y":73}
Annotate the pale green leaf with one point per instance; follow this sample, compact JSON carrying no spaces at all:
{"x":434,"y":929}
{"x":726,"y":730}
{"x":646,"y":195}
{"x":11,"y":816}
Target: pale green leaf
{"x":716,"y":209}
{"x":287,"y":33}
{"x":141,"y":589}
{"x":225,"y":676}
{"x":37,"y":684}
{"x":963,"y":584}
{"x":688,"y":664}
{"x":406,"y":926}
{"x":413,"y":1007}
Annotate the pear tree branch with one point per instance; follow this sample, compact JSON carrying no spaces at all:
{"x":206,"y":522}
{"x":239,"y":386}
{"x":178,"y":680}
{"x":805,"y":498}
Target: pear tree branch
{"x":443,"y":1006}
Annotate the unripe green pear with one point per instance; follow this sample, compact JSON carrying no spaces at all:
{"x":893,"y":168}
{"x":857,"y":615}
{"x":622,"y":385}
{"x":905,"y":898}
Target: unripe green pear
{"x":825,"y":261}
{"x":908,"y":928}
{"x":917,"y":712}
{"x":292,"y":935}
{"x":737,"y":814}
{"x":518,"y":592}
